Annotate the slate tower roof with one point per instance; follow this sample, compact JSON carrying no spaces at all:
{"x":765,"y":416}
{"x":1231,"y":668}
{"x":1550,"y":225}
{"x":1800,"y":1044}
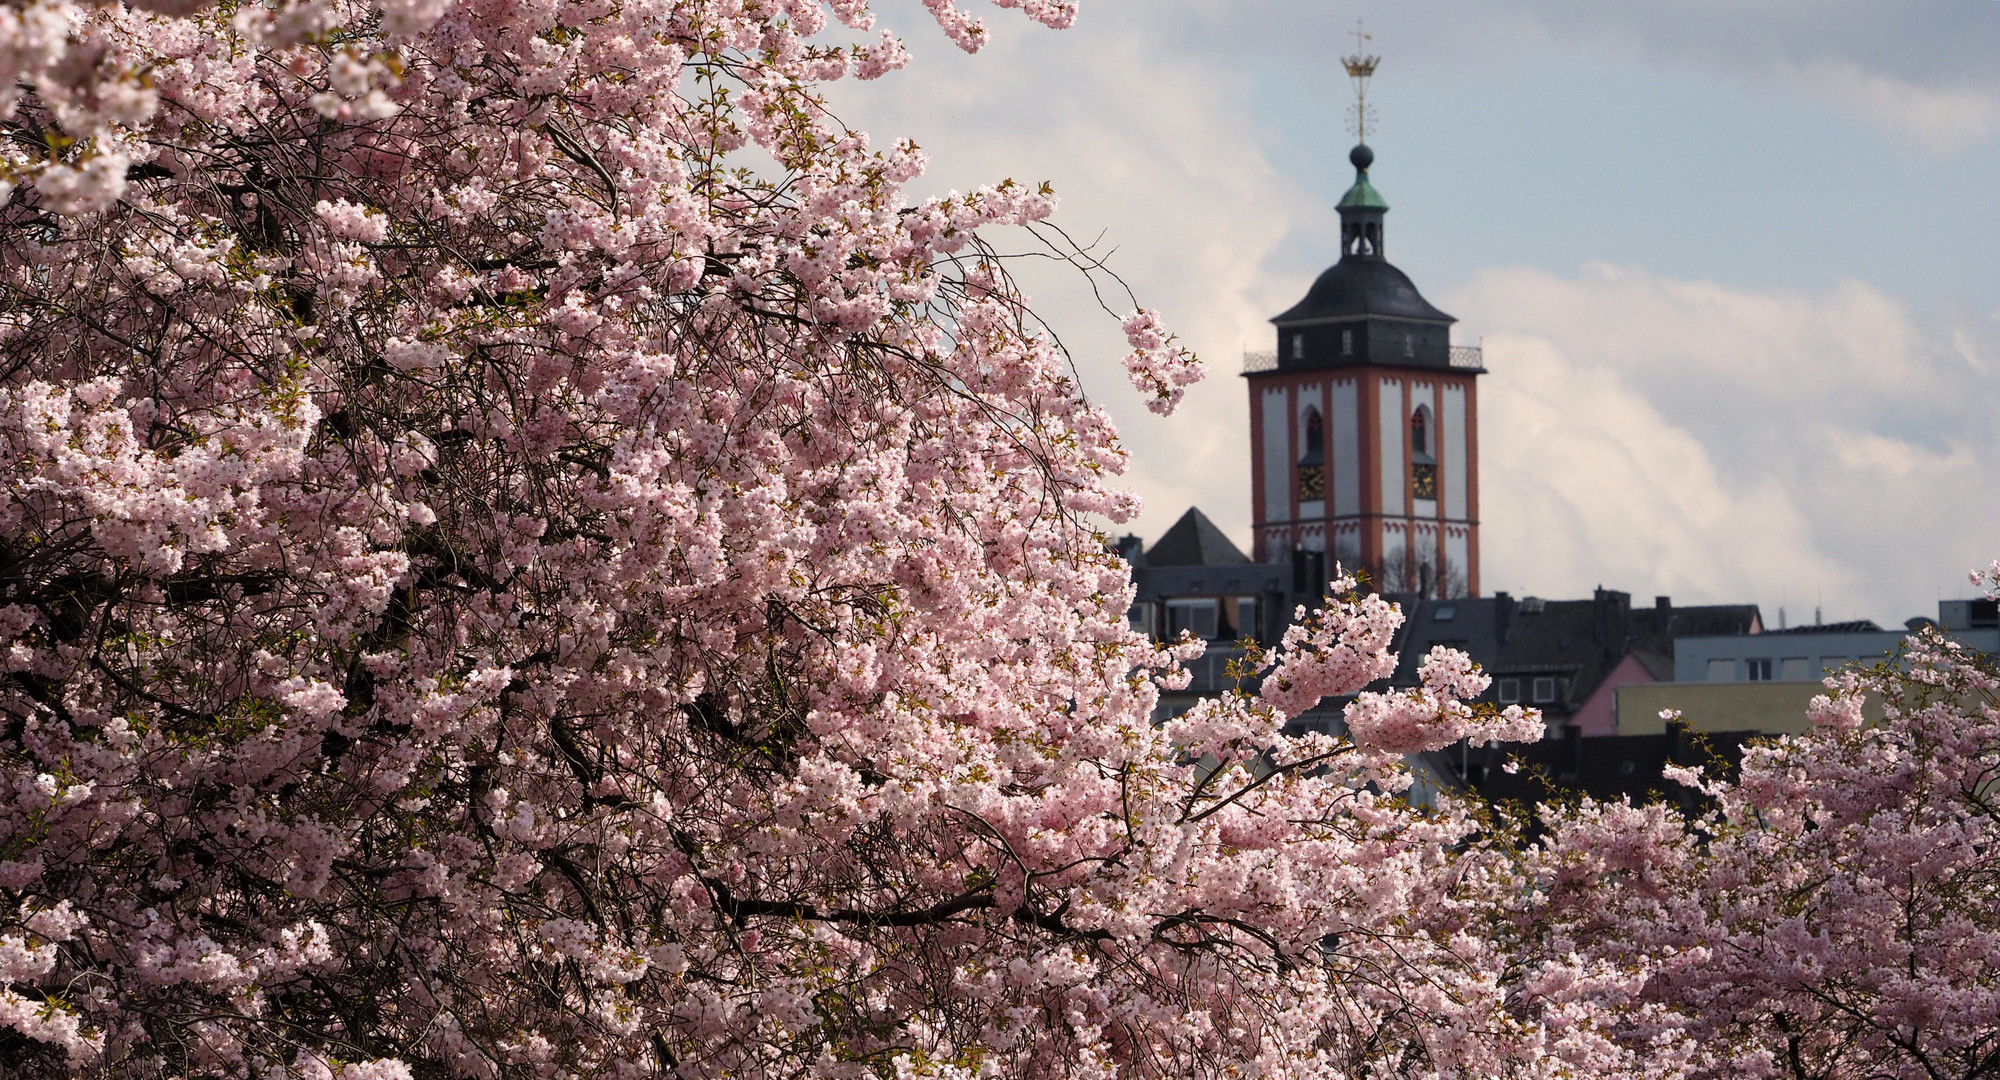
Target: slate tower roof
{"x":1362,"y":309}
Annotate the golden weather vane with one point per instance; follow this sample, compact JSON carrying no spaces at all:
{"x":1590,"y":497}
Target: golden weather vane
{"x":1360,"y":68}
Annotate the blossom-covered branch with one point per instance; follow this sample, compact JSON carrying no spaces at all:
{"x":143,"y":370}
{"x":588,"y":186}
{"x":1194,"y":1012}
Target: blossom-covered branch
{"x":523,"y":553}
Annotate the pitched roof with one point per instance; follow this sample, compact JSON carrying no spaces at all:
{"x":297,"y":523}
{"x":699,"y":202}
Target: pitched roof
{"x":1580,"y":641}
{"x":1705,"y":620}
{"x":1606,"y":768}
{"x":1194,"y":541}
{"x":1855,"y":626}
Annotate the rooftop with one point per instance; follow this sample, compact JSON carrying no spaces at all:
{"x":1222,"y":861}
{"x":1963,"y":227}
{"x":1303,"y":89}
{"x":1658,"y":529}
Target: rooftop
{"x":1362,"y":285}
{"x":1852,"y":626}
{"x":1195,"y":541}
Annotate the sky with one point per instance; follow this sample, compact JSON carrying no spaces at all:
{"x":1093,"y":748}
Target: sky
{"x":1735,"y":263}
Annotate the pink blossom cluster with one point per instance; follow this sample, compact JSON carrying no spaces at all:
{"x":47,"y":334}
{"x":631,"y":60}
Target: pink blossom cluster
{"x":1438,"y":712}
{"x":523,"y":553}
{"x":1831,"y":915}
{"x":1159,"y":369}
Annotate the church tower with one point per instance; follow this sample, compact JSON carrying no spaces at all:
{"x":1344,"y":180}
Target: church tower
{"x":1364,"y":423}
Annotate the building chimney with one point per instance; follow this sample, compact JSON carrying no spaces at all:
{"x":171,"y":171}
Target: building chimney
{"x":1612,"y":612}
{"x":1680,"y":742}
{"x":1309,"y":576}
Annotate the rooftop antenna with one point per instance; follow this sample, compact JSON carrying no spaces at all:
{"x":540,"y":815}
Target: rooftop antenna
{"x":1361,"y":68}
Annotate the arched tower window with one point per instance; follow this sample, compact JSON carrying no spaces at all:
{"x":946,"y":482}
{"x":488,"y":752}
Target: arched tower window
{"x":1423,"y":465}
{"x":1312,"y":462}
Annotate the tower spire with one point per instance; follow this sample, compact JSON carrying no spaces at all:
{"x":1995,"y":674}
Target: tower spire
{"x":1363,"y":425}
{"x":1361,"y":68}
{"x":1361,"y":209}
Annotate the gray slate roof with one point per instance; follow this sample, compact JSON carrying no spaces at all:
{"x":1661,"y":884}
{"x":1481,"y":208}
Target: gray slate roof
{"x":1580,"y":641}
{"x":1194,"y":541}
{"x":1360,"y":285}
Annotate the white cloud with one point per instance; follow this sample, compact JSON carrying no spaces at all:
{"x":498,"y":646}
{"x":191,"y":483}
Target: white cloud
{"x":1585,"y":483}
{"x":1924,"y":74}
{"x":1937,"y":119}
{"x":1867,"y":452}
{"x":1927,"y":73}
{"x":1728,"y":445}
{"x":1761,"y":345}
{"x":1639,"y":431}
{"x":1158,"y":153}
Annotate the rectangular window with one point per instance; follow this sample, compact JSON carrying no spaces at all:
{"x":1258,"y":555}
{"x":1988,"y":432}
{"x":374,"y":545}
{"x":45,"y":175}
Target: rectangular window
{"x":1246,"y":618}
{"x":1510,"y":691}
{"x":1347,"y":343}
{"x":1545,"y":691}
{"x":1759,"y":670}
{"x":1722,"y":671}
{"x":1298,"y":346}
{"x":1830,"y":664}
{"x":1195,"y":615}
{"x":1795,"y":669}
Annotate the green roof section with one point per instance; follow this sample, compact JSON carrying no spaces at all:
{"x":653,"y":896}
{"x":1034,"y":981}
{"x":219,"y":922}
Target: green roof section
{"x":1362,"y":196}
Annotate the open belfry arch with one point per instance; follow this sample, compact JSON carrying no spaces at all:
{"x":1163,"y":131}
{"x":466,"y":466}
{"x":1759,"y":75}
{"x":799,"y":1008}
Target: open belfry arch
{"x":1364,"y":420}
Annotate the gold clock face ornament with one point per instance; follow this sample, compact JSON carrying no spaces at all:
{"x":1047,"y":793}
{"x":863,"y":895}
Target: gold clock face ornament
{"x":1424,"y":481}
{"x":1312,"y":483}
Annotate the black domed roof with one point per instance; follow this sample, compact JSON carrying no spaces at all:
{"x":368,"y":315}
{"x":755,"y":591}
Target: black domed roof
{"x":1357,"y":286}
{"x":1362,"y":283}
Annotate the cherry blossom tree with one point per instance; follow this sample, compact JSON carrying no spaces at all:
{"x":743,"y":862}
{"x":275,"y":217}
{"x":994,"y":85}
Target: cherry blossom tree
{"x":524,"y":554}
{"x":1836,"y":915}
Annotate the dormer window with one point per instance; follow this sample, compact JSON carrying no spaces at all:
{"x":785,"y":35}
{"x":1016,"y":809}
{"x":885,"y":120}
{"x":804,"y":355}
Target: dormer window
{"x":1347,"y":343}
{"x":1298,"y":346}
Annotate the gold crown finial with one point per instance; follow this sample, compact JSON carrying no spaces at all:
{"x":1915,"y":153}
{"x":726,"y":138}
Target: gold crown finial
{"x":1360,"y":68}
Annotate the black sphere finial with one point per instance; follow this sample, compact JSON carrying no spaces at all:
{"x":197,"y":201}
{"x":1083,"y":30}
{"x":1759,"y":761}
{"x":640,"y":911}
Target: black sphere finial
{"x":1361,"y":156}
